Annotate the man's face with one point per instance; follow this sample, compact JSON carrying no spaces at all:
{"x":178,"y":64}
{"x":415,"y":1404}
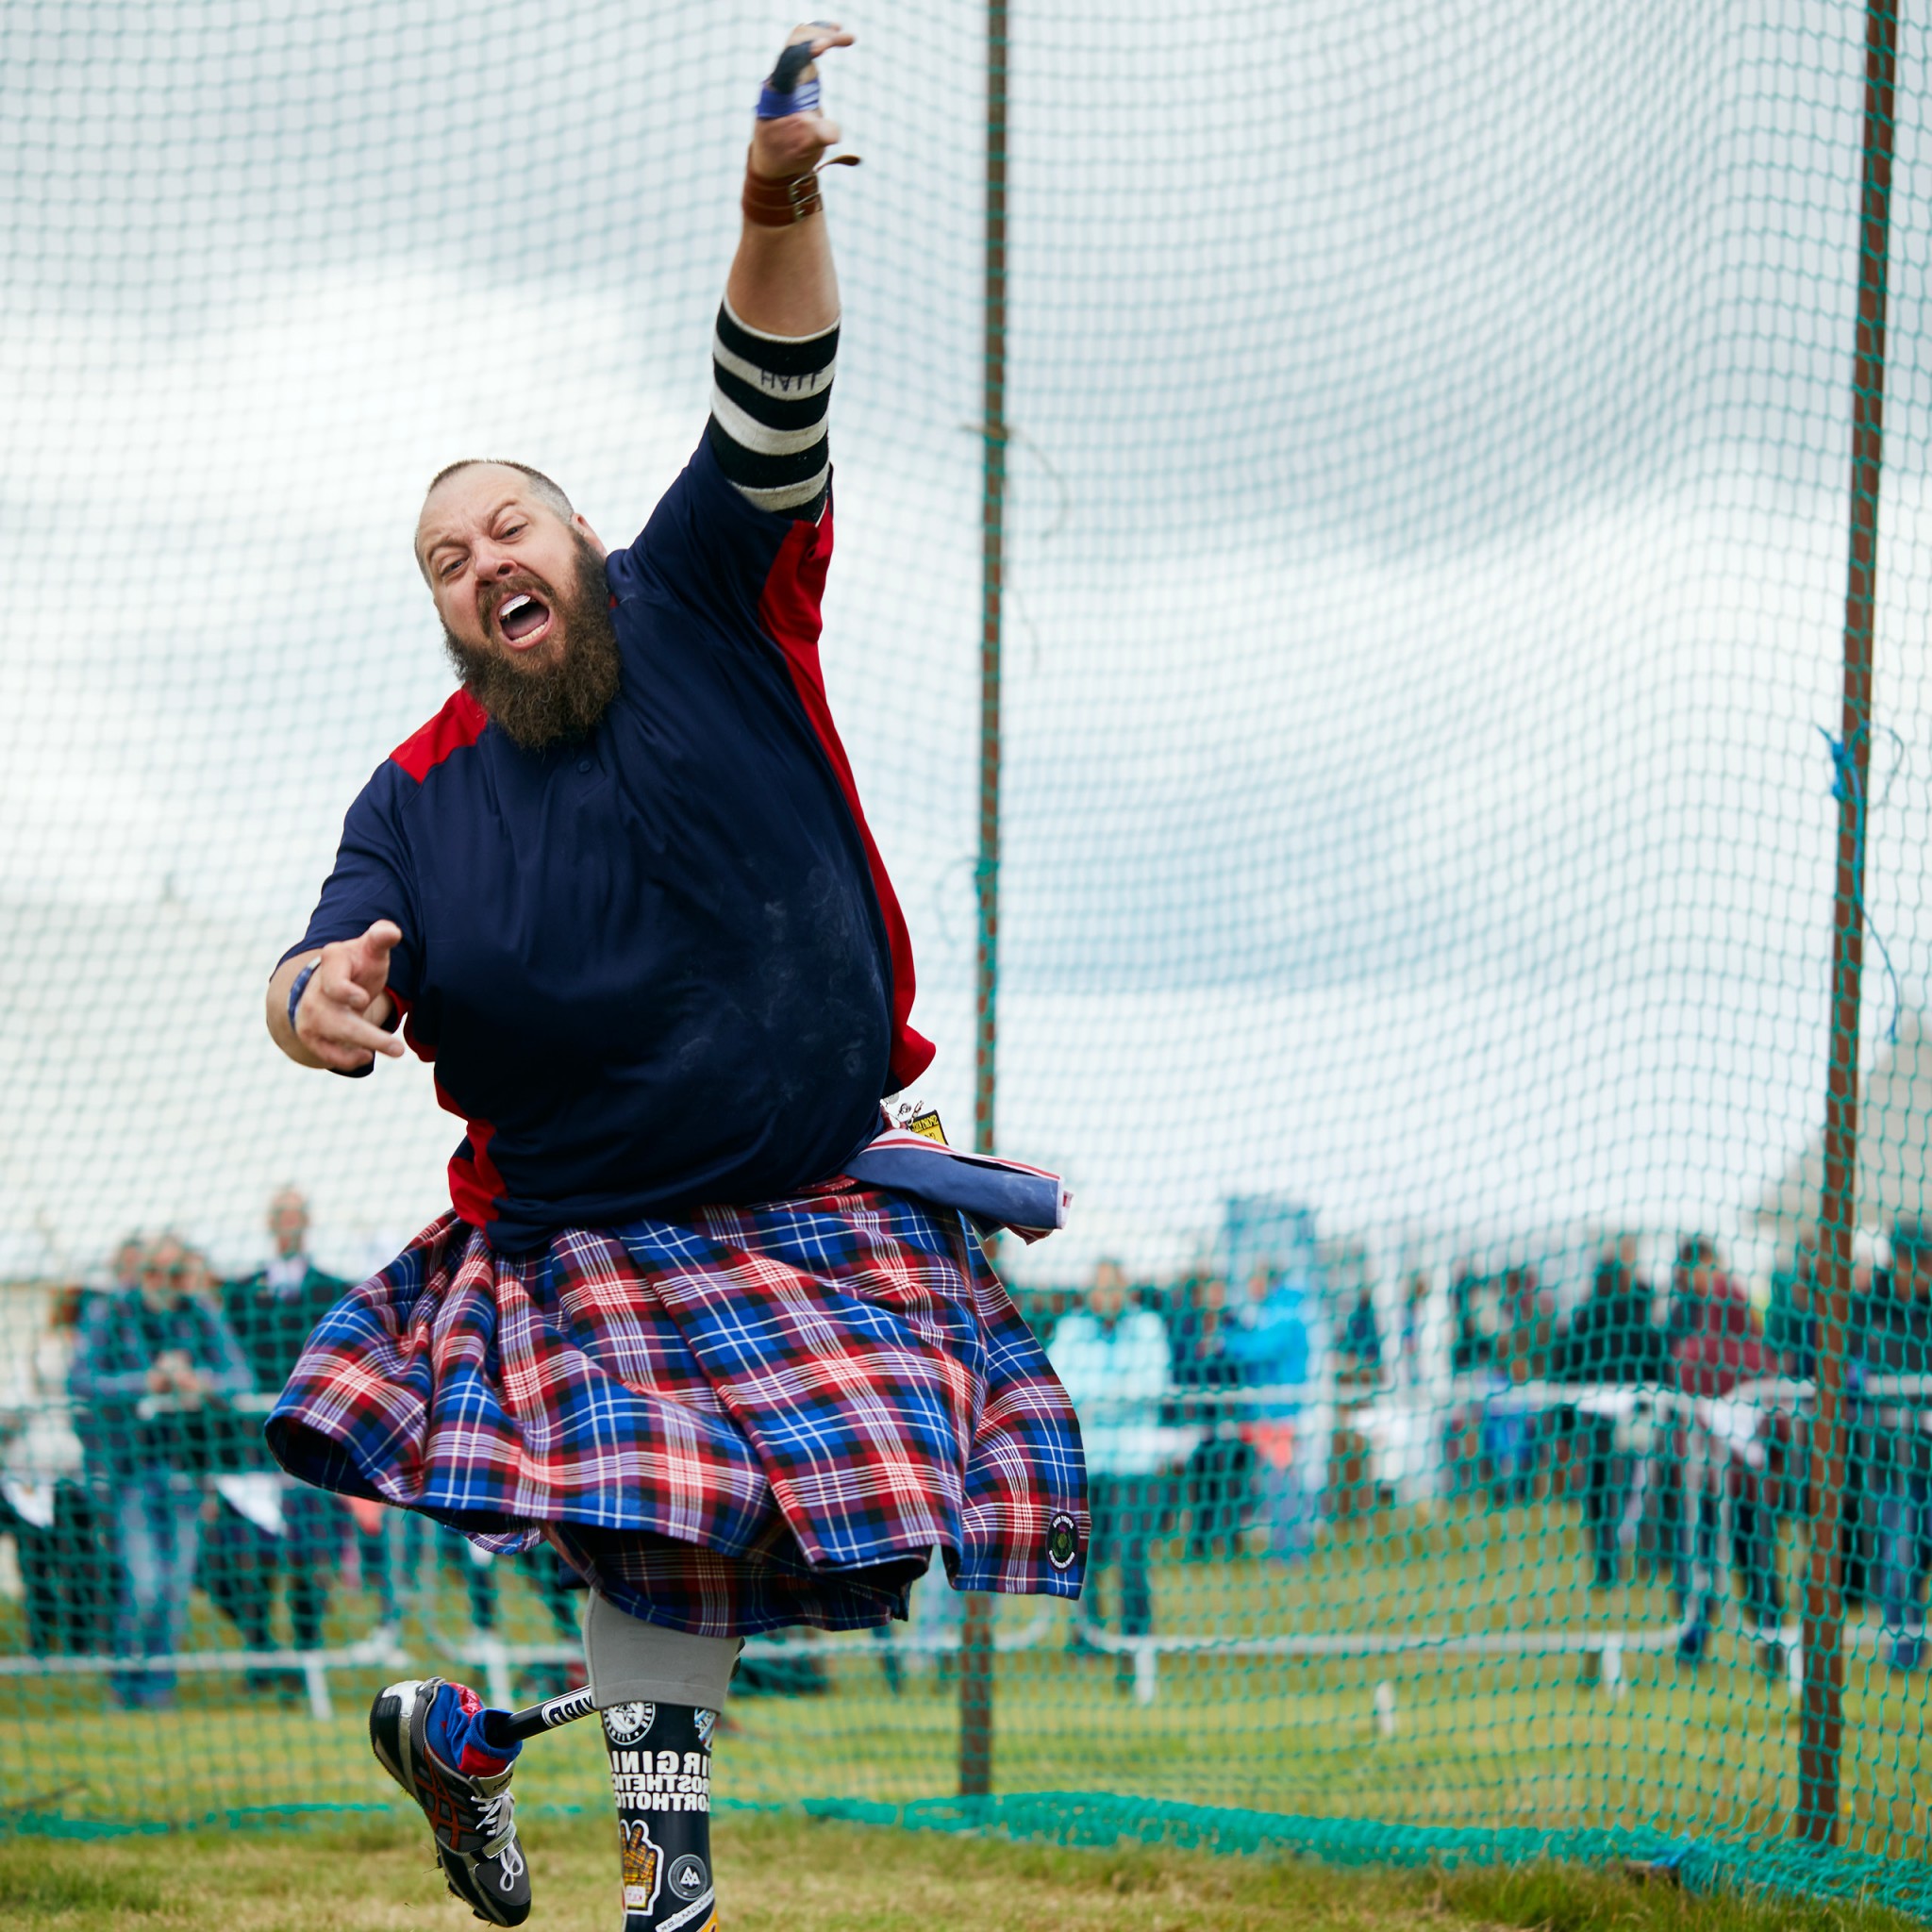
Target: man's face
{"x":288,"y":1224}
{"x":162,"y":1272}
{"x":499,"y":561}
{"x":1912,"y":1273}
{"x":1107,"y":1296}
{"x":521,"y":592}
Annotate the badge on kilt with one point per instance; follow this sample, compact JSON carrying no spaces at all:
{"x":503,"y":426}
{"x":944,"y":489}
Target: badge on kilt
{"x":1062,"y":1541}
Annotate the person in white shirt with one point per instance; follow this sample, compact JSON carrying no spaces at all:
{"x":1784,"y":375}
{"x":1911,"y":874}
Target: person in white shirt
{"x":1115,"y":1361}
{"x":66,"y":1570}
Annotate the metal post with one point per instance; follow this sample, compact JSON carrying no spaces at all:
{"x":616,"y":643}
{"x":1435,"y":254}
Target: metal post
{"x":1822,"y":1719}
{"x":975,"y":1640}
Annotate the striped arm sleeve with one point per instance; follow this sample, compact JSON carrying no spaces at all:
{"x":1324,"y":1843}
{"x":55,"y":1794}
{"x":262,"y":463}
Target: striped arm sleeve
{"x":769,"y":397}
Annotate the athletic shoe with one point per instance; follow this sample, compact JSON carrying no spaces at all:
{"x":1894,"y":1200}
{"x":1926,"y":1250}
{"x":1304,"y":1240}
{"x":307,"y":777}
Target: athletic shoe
{"x":1691,"y":1642}
{"x":1905,"y":1650}
{"x":472,"y":1816}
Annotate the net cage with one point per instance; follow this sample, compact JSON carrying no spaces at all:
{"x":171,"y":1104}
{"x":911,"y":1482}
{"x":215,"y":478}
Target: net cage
{"x":1415,"y":485}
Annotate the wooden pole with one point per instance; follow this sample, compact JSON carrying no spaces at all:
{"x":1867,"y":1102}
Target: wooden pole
{"x":1822,"y":1716}
{"x":976,"y":1638}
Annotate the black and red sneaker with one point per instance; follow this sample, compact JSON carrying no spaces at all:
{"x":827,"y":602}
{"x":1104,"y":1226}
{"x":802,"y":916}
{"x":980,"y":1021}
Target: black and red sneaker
{"x":471,"y":1811}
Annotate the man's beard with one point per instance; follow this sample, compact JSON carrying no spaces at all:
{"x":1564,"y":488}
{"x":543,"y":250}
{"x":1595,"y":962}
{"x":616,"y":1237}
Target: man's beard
{"x":541,"y":705}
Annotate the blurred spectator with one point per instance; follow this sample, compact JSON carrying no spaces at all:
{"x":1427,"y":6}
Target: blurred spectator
{"x":272,"y":1312}
{"x":1791,"y":1331}
{"x":145,"y":1363}
{"x":1415,"y":1316}
{"x":1893,"y":1337}
{"x":1692,"y":1275}
{"x":1791,"y":1322}
{"x":124,"y":1270}
{"x":1217,"y":1471}
{"x":1610,"y":1340}
{"x":1690,"y":1270}
{"x":1359,"y":1352}
{"x":1859,"y":1507}
{"x":1472,"y":1305}
{"x":1732,"y":1453}
{"x":1116,"y":1366}
{"x":1275,"y":1350}
{"x":1527,"y":1345}
{"x":66,"y":1572}
{"x":1526,"y":1338}
{"x":1611,"y":1336}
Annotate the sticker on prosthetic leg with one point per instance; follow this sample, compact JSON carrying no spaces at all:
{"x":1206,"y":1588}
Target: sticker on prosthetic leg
{"x":661,"y":1777}
{"x":643,"y":1864}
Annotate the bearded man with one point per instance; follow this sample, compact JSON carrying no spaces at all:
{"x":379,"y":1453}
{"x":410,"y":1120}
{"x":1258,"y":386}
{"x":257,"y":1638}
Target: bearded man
{"x":699,"y":1317}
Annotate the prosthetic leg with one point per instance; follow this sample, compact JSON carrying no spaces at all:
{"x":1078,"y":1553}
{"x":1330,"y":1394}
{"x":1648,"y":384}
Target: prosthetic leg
{"x":659,"y":1692}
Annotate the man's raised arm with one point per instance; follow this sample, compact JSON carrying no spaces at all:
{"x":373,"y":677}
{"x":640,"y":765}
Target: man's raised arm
{"x":777,"y":335}
{"x":782,"y":282}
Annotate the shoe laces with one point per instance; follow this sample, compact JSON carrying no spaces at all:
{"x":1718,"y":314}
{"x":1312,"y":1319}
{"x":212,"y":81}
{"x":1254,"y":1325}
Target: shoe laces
{"x":496,"y":1820}
{"x":509,"y":1867}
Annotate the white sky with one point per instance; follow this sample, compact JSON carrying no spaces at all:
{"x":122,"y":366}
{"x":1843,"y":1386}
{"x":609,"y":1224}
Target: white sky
{"x":1427,"y":557}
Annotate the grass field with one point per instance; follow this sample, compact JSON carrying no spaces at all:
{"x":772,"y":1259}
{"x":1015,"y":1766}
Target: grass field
{"x":1477,"y":1742}
{"x":788,"y":1874}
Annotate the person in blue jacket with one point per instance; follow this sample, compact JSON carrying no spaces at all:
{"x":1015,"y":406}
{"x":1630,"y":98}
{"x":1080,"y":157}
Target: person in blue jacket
{"x":1277,"y":1347}
{"x":147,"y":1363}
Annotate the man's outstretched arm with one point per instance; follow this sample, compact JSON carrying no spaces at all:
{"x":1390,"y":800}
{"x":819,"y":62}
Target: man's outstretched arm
{"x":782,"y":282}
{"x":341,"y":1019}
{"x":776,"y":344}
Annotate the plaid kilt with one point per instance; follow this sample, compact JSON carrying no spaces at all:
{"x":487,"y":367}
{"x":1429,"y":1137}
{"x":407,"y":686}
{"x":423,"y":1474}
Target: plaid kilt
{"x":762,"y":1416}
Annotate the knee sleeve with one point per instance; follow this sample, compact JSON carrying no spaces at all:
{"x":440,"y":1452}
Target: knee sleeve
{"x":634,"y":1662}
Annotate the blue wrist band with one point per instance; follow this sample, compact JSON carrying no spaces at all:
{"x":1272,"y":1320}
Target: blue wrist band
{"x":774,"y":104}
{"x":298,"y":986}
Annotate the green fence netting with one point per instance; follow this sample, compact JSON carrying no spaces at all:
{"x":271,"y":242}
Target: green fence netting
{"x":1433,"y":828}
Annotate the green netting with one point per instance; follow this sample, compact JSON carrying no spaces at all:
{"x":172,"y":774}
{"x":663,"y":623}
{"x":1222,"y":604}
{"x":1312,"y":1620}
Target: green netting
{"x":1426,"y":508}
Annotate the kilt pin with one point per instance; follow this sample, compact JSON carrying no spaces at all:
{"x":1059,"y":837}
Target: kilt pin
{"x":758,"y":1416}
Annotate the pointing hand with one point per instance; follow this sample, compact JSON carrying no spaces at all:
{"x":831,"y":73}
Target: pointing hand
{"x":345,"y":1002}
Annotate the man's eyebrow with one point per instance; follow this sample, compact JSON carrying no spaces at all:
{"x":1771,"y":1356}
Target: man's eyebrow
{"x":510,"y":501}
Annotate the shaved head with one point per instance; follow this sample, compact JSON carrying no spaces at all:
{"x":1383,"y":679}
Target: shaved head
{"x":538,"y":489}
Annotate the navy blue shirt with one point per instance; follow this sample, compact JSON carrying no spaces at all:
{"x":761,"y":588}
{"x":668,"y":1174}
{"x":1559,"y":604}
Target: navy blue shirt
{"x":662,"y":967}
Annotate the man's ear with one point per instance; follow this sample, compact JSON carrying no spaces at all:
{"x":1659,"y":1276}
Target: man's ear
{"x":582,"y":524}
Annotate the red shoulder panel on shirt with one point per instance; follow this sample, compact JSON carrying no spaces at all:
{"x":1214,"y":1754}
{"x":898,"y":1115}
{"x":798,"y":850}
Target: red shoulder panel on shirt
{"x":460,"y":723}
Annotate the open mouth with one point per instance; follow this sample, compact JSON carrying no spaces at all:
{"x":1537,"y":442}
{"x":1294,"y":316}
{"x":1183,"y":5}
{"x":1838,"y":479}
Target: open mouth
{"x":523,"y":620}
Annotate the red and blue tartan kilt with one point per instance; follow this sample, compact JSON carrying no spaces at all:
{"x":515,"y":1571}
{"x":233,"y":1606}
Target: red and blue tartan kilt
{"x":763,"y":1416}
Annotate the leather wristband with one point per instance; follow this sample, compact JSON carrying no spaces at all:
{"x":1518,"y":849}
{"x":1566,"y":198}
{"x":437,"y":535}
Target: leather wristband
{"x":775,"y":204}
